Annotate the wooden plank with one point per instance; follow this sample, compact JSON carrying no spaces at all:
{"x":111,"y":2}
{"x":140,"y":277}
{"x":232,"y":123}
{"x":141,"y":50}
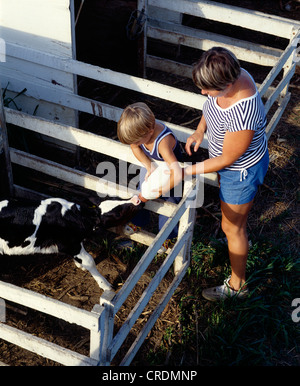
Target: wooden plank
{"x":76,"y":177}
{"x":188,"y":217}
{"x":142,"y":237}
{"x":203,"y":40}
{"x":67,"y":174}
{"x":168,"y":65}
{"x":92,"y":141}
{"x":2,"y":311}
{"x":6,"y":176}
{"x":108,"y":326}
{"x":185,"y":70}
{"x":96,"y":336}
{"x":44,"y":348}
{"x":33,"y":123}
{"x":253,"y":20}
{"x":36,"y":75}
{"x":88,"y":140}
{"x":180,"y":69}
{"x":277,"y":115}
{"x":27,"y":194}
{"x":66,"y":99}
{"x":108,"y":76}
{"x":72,"y":135}
{"x":83,"y":179}
{"x":49,"y":306}
{"x":142,"y":40}
{"x":282,"y":84}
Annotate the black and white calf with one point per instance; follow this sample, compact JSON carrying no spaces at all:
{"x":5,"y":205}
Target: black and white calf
{"x":55,"y":225}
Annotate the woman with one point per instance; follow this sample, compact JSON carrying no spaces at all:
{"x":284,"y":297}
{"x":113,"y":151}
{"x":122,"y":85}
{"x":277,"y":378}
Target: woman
{"x":234,"y":120}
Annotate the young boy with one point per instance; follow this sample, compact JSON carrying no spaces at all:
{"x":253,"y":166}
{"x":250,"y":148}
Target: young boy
{"x":150,"y":140}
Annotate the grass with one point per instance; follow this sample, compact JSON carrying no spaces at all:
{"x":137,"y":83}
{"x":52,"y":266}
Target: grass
{"x":255,"y":331}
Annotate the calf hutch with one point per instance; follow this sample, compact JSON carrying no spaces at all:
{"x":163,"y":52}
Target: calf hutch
{"x":175,"y":25}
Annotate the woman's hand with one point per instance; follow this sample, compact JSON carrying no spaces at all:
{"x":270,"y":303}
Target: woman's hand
{"x":196,"y":138}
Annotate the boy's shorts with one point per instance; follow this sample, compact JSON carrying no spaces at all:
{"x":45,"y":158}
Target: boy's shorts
{"x":239,"y":187}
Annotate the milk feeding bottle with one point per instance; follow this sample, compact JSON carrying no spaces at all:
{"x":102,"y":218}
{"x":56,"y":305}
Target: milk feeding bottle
{"x":157,"y":179}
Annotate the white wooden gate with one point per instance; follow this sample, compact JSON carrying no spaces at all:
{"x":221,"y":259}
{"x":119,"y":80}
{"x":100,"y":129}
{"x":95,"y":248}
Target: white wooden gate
{"x":100,"y":321}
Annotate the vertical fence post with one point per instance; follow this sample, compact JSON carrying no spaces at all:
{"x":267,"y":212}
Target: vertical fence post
{"x":2,"y":311}
{"x":107,"y":327}
{"x":6,"y":180}
{"x":142,"y":41}
{"x":96,"y":337}
{"x":289,"y":63}
{"x":187,"y":217}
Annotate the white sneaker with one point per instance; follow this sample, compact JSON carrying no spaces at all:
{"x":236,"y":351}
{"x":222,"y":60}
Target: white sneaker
{"x":166,"y":245}
{"x":130,"y":228}
{"x":224,"y":291}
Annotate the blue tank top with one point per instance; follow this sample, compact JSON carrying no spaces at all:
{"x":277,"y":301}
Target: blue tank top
{"x":154,"y":154}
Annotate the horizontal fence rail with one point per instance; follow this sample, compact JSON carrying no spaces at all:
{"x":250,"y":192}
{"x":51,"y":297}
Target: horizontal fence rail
{"x":77,"y":137}
{"x":223,"y":13}
{"x":202,"y":40}
{"x":107,"y":76}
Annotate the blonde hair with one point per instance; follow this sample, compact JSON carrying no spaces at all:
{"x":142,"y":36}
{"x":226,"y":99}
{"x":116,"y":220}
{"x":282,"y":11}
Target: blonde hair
{"x":136,"y":121}
{"x":216,"y":68}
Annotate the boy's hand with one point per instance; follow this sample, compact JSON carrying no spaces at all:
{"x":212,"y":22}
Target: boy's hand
{"x":151,"y":170}
{"x":135,"y":200}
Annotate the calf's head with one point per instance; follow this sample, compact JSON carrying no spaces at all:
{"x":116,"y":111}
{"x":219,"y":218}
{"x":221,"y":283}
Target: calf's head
{"x":115,"y":212}
{"x":112,"y":212}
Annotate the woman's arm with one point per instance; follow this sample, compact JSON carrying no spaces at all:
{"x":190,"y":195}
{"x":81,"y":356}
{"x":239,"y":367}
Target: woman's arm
{"x":234,"y":146}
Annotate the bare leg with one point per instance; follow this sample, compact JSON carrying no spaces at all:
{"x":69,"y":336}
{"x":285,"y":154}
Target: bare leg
{"x":87,"y":263}
{"x":234,"y":225}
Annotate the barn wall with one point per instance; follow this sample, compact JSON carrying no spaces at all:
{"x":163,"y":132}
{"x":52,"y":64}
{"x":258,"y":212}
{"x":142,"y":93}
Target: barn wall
{"x":45,"y":26}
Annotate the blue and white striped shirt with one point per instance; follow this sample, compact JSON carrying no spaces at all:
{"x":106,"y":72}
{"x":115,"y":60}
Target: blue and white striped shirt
{"x":246,"y":114}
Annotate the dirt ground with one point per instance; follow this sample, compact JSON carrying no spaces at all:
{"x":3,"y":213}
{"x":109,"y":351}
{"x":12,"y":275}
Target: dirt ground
{"x":59,"y":278}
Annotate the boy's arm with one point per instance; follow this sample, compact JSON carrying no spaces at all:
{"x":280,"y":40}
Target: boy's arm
{"x":165,"y":150}
{"x":141,"y":156}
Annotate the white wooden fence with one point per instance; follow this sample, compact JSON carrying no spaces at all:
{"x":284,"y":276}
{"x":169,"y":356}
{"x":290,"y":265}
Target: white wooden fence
{"x":100,"y":321}
{"x":161,"y":29}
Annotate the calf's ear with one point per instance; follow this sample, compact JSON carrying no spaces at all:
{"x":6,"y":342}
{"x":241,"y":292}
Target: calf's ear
{"x":94,"y":200}
{"x":89,"y":202}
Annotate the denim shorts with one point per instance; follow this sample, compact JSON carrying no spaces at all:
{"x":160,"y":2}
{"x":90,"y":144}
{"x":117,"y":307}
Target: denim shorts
{"x":239,"y":187}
